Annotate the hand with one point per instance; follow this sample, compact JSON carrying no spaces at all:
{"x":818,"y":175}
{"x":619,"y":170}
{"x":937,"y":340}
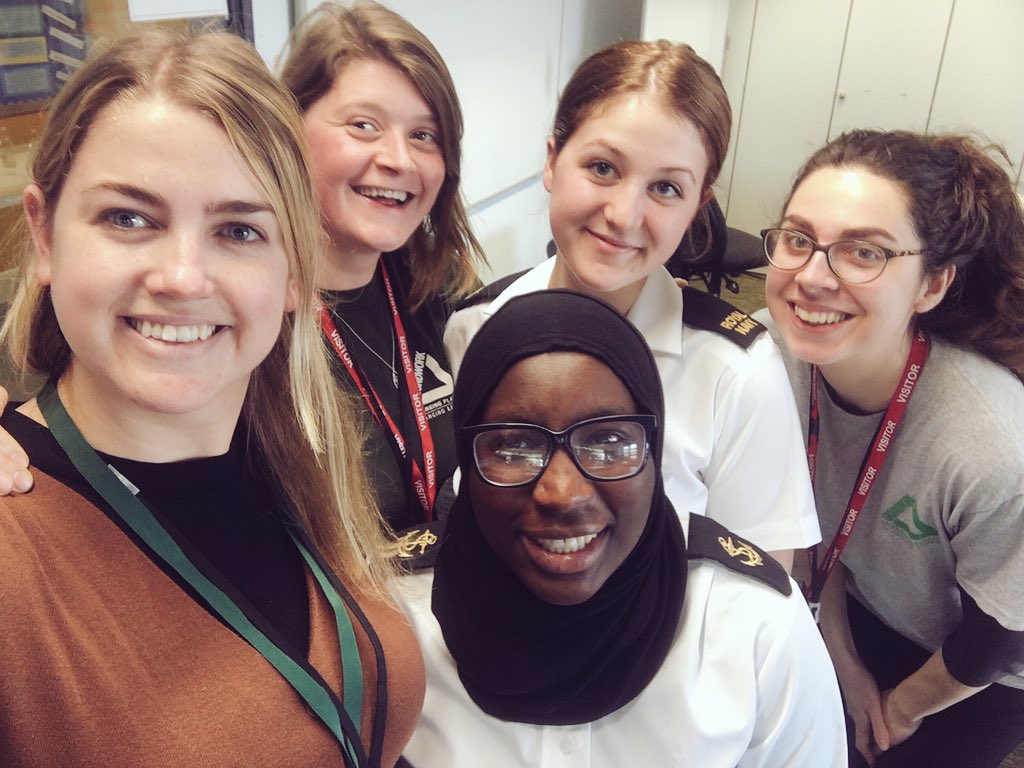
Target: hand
{"x":865,"y":706}
{"x":897,"y":722}
{"x":14,"y":474}
{"x":682,"y":283}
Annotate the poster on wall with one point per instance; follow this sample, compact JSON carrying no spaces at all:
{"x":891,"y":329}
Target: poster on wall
{"x":157,"y":10}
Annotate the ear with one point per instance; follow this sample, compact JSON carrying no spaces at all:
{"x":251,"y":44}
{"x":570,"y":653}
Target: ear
{"x":934,"y":289}
{"x":549,"y":164}
{"x":33,"y":203}
{"x":291,"y":297}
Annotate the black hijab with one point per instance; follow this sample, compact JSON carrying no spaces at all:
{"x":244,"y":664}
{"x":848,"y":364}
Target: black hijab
{"x":519,"y":657}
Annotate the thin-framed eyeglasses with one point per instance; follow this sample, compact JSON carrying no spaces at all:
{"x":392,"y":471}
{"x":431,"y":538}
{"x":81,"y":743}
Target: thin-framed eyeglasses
{"x":603,"y":448}
{"x":852,"y":261}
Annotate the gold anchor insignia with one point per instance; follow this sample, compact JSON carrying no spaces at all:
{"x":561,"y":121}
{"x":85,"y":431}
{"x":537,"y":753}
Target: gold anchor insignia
{"x":407,"y":545}
{"x":744,"y":550}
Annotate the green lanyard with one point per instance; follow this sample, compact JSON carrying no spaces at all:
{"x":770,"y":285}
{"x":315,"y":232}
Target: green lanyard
{"x":135,"y":514}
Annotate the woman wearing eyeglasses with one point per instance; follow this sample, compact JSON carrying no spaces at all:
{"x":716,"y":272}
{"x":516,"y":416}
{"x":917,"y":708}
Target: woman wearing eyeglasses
{"x":897,"y":286}
{"x":570,"y":620}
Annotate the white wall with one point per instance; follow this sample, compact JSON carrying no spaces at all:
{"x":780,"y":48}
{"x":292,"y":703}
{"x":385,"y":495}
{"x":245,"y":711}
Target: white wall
{"x":799,"y":72}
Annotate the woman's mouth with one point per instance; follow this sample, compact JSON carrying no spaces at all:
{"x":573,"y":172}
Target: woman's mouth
{"x":178,"y":334}
{"x":385,"y":196}
{"x":563,"y":546}
{"x":817,"y":317}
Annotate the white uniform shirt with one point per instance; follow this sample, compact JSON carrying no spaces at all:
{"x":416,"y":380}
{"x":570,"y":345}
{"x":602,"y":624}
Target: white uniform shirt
{"x":733,"y":446}
{"x":747,"y":683}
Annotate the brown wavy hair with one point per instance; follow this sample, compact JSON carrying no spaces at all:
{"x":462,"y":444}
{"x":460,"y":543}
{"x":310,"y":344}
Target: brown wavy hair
{"x":442,"y":251}
{"x":966,"y":214}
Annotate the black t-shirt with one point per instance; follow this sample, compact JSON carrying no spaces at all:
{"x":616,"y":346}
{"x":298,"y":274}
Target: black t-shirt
{"x":364,"y":320}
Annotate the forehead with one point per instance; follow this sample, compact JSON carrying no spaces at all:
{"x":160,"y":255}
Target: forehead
{"x":644,"y":126}
{"x":160,"y":145}
{"x":555,"y":389}
{"x":842,"y":198}
{"x":376,"y":82}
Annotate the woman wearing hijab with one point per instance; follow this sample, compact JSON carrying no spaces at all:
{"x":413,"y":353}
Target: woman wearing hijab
{"x":573,"y":612}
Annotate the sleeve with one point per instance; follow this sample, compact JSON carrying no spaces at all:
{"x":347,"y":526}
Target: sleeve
{"x":800,"y":721}
{"x":459,"y":332}
{"x":981,"y":650}
{"x":757,"y":478}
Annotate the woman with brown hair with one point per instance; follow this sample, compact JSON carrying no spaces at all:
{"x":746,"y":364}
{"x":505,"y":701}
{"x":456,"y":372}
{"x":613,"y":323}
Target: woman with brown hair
{"x":897,"y":288}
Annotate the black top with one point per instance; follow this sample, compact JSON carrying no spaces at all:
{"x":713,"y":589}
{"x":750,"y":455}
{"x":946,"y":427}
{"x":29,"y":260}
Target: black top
{"x":220,"y":510}
{"x":366,"y":311}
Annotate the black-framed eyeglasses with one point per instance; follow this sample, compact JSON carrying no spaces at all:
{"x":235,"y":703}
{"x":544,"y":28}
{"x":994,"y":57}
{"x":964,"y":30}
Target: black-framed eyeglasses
{"x":603,"y":448}
{"x":852,"y":261}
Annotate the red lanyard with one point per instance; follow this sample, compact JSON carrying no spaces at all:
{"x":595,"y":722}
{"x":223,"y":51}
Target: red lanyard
{"x":425,"y":486}
{"x":880,"y":447}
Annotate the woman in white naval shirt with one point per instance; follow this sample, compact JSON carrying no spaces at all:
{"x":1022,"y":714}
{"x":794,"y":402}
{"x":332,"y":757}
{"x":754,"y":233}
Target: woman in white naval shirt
{"x":571,"y":621}
{"x":639,"y":137}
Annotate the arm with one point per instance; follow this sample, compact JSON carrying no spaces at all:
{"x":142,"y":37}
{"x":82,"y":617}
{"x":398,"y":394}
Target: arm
{"x":14,"y":474}
{"x":929,"y":690}
{"x":800,"y":721}
{"x":863,"y":699}
{"x":757,"y":477}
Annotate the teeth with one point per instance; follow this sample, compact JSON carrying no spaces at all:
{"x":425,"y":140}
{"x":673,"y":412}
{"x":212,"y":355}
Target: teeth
{"x":175,"y":333}
{"x":392,"y":194}
{"x":819,"y":318}
{"x":561,"y":546}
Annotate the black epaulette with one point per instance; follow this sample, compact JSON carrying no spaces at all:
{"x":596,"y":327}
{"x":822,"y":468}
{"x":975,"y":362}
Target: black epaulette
{"x":710,"y":540}
{"x":490,"y":292}
{"x":710,"y":313}
{"x":419,"y":544}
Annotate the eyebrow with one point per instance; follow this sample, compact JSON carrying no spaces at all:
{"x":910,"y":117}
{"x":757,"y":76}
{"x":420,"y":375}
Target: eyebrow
{"x":619,"y":155}
{"x":854,"y":233}
{"x":371,"y":106}
{"x":154,"y":200}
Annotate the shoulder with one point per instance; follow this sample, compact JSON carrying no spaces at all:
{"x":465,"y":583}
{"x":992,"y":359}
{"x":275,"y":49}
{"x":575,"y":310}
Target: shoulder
{"x":710,"y":541}
{"x":710,"y":313}
{"x":488,"y":293}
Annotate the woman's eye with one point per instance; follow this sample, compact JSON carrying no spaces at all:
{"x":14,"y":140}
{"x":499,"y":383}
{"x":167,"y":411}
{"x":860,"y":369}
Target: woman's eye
{"x":796,"y":242}
{"x":242,"y":233}
{"x":363,"y":126}
{"x":126,"y":219}
{"x":424,"y":135}
{"x":868,"y":255}
{"x":667,"y":189}
{"x":602,"y":169}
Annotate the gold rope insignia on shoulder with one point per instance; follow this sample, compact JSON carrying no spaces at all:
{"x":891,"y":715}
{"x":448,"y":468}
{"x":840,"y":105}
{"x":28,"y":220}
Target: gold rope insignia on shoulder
{"x":744,"y":550}
{"x":413,"y":540}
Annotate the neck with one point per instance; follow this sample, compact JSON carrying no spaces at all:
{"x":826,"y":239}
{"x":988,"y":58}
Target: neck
{"x":345,"y":269}
{"x":622,"y":298}
{"x":121,"y":428}
{"x":867,"y":385}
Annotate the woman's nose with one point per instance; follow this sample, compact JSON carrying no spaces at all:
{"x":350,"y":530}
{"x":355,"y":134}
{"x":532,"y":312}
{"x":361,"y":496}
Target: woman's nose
{"x":562,"y":486}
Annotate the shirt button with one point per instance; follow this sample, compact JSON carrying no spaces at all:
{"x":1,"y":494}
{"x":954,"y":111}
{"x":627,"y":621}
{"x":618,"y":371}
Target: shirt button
{"x":566,"y":745}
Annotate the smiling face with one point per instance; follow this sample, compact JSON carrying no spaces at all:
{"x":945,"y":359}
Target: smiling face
{"x":166,"y":269}
{"x":530,"y":527}
{"x":376,"y":157}
{"x":624,"y":189}
{"x":844,"y":328}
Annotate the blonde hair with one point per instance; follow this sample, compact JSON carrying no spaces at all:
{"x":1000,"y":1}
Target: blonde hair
{"x":297,"y":418}
{"x":442,"y":251}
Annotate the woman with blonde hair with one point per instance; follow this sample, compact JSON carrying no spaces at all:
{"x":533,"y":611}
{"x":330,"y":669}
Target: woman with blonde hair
{"x":198,"y":575}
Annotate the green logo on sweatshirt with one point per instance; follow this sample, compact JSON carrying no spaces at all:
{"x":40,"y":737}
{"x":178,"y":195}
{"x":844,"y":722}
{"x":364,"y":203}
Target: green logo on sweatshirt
{"x":903,"y":517}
